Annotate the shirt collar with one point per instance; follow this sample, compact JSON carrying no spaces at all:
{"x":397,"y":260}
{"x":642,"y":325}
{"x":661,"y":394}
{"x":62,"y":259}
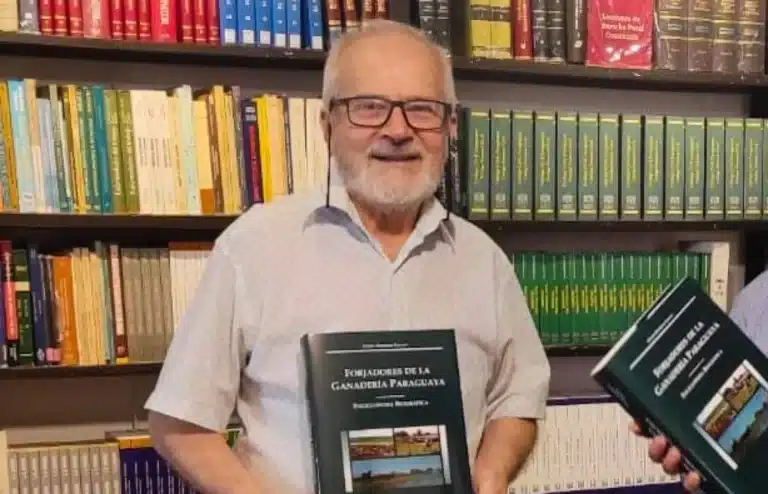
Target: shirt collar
{"x":433,"y":215}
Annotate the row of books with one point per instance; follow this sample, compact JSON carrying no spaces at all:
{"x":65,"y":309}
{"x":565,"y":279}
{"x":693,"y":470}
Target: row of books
{"x":96,"y":149}
{"x":291,"y":24}
{"x":95,"y":305}
{"x":566,"y":165}
{"x":687,"y":35}
{"x":124,"y":462}
{"x":591,"y":298}
{"x":583,"y":445}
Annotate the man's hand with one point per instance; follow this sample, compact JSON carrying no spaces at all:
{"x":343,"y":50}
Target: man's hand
{"x":669,"y":457}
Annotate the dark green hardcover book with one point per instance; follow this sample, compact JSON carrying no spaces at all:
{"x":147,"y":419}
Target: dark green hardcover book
{"x":386,"y":412}
{"x":695,"y":158}
{"x":587,"y":167}
{"x":674,"y":157}
{"x":567,"y":156}
{"x":686,"y":371}
{"x":753,"y":168}
{"x":734,"y":168}
{"x":631,"y":167}
{"x":653,"y":168}
{"x":501,"y":182}
{"x":765,"y":168}
{"x":522,"y":159}
{"x":715,"y":175}
{"x":608,"y":170}
{"x":478,"y":149}
{"x":545,"y":148}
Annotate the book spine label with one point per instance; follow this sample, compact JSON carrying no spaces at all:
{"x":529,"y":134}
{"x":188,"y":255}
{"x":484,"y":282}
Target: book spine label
{"x":588,"y":165}
{"x":753,"y":168}
{"x":521,"y":32}
{"x":522,"y":188}
{"x":478,"y":147}
{"x":608,"y":172}
{"x":675,"y":171}
{"x":695,"y":168}
{"x":567,"y":157}
{"x":715,"y":175}
{"x":501,"y":182}
{"x":631,"y":169}
{"x":545,"y":147}
{"x":734,"y":168}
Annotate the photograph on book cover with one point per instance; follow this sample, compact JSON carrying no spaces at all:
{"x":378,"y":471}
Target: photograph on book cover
{"x":395,"y":457}
{"x":736,"y":417}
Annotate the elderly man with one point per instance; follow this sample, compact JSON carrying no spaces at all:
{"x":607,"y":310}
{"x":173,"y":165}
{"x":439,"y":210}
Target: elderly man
{"x":378,"y":252}
{"x":749,"y":312}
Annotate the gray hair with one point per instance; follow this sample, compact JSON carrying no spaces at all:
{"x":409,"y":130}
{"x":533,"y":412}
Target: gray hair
{"x":373,"y":28}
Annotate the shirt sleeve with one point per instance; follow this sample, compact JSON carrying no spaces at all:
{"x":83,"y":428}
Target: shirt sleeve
{"x":200,"y":376}
{"x":519,"y":385}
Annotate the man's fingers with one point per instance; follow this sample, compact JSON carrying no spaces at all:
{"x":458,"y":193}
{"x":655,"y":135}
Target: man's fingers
{"x":671,"y":462}
{"x":634,"y":427}
{"x":692,"y":481}
{"x":658,"y":448}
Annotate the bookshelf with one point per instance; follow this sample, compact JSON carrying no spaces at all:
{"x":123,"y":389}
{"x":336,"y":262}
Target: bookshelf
{"x":65,"y":391}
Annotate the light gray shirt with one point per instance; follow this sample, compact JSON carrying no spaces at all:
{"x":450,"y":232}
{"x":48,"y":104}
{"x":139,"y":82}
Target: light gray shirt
{"x":296,"y":266}
{"x":750,"y":310}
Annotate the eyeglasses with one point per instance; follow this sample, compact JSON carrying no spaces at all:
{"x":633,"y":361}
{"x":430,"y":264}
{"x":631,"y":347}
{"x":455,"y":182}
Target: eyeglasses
{"x":372,"y":111}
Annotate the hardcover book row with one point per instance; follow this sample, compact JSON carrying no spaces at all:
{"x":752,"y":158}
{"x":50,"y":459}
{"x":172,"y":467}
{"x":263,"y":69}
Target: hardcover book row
{"x":97,"y":305}
{"x":563,"y":165}
{"x":687,"y":35}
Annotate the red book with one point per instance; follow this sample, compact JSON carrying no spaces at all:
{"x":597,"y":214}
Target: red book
{"x":117,"y":24}
{"x":60,"y":27}
{"x":620,"y":34}
{"x":186,"y":16}
{"x":212,"y":21}
{"x":130,"y":20}
{"x":145,"y":32}
{"x":522,"y":48}
{"x":45,"y":16}
{"x":162,"y":17}
{"x":96,"y":18}
{"x":75,"y":16}
{"x":200,"y":22}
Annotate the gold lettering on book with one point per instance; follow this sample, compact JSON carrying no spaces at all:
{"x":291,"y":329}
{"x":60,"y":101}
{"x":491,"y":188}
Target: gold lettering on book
{"x":615,"y":26}
{"x":682,"y":354}
{"x":387,"y":378}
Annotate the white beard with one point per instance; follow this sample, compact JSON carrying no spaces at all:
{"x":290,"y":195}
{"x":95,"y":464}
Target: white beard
{"x":383,"y":195}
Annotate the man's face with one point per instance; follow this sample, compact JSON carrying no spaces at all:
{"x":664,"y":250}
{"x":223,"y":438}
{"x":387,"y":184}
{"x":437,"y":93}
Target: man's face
{"x":392,"y":166}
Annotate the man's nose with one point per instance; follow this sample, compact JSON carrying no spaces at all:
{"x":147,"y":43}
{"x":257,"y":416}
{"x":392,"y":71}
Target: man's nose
{"x":397,"y":127}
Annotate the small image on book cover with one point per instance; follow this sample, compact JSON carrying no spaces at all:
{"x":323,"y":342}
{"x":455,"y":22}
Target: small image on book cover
{"x":395,"y":457}
{"x":736,"y":417}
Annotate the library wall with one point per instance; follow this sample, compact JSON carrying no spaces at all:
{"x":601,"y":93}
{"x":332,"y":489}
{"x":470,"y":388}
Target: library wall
{"x":40,"y":409}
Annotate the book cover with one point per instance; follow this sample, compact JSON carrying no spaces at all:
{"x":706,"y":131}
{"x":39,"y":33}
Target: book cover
{"x":620,"y":34}
{"x":686,"y":371}
{"x":386,"y":412}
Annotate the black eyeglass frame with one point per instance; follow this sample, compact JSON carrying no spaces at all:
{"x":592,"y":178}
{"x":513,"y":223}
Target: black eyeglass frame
{"x":449,"y":109}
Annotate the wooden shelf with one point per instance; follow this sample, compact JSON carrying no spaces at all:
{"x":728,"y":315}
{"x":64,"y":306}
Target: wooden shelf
{"x":577,"y":351}
{"x":58,"y":372}
{"x":64,"y":221}
{"x":29,"y":222}
{"x":46,"y":46}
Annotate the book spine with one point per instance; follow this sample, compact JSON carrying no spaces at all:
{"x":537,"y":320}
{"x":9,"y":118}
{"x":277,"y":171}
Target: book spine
{"x":212,"y":21}
{"x":313,"y":24}
{"x":501,"y":193}
{"x":442,"y":23}
{"x":130,"y":20}
{"x":753,"y":168}
{"x":555,"y":23}
{"x":734,"y":168}
{"x":750,"y":36}
{"x":523,"y":42}
{"x":715,"y":174}
{"x":695,"y":167}
{"x":279,"y":30}
{"x":575,"y":24}
{"x":199,"y":15}
{"x":670,"y":36}
{"x":674,"y":157}
{"x":246,"y":23}
{"x":523,"y":156}
{"x":143,"y":11}
{"x":427,"y":18}
{"x":725,"y":36}
{"x":700,"y":35}
{"x":566,"y":165}
{"x":185,"y":15}
{"x":501,"y":29}
{"x":478,"y":147}
{"x":588,"y":165}
{"x":540,"y":39}
{"x":608,"y":168}
{"x":228,"y":21}
{"x":45,"y":17}
{"x":545,"y":145}
{"x":293,"y":23}
{"x":264,"y":35}
{"x":631,"y":167}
